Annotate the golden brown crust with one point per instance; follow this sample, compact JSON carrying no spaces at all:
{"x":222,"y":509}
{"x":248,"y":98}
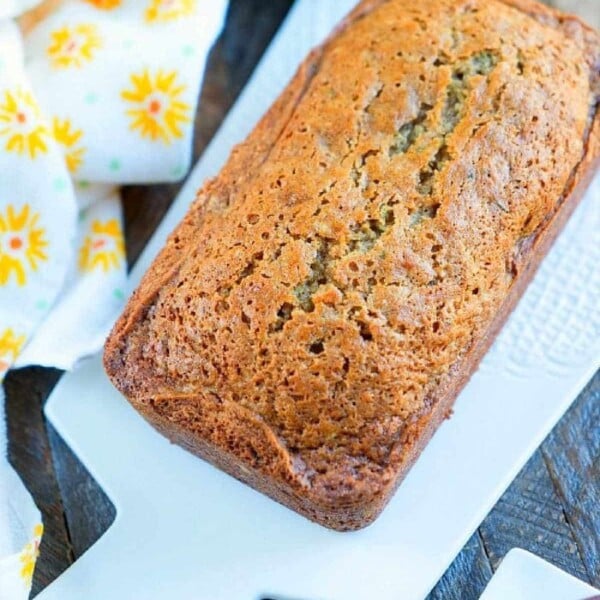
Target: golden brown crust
{"x":311,"y":321}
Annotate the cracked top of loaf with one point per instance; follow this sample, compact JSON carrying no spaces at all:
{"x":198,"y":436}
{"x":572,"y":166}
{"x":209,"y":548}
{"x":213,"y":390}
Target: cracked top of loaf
{"x":360,"y":241}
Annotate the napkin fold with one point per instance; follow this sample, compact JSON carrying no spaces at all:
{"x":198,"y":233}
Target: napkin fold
{"x":100,"y":93}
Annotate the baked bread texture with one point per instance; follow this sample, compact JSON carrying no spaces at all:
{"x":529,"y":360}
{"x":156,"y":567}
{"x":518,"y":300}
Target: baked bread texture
{"x":310,"y":322}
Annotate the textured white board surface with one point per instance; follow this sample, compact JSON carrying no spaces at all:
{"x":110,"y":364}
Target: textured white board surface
{"x":185,"y":530}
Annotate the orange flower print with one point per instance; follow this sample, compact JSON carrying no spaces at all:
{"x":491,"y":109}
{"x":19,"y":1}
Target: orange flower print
{"x":157,"y":111}
{"x":22,"y":244}
{"x":29,"y":555}
{"x":68,"y":137}
{"x":103,"y":248}
{"x":169,"y":10}
{"x":10,"y":346}
{"x":105,"y":4}
{"x":73,"y":46}
{"x":21,"y":124}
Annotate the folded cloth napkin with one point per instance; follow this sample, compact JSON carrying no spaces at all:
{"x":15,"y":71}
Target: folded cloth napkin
{"x":99,"y":93}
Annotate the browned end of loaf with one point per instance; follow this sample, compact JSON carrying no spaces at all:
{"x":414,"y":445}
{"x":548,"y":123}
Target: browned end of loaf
{"x":313,"y":317}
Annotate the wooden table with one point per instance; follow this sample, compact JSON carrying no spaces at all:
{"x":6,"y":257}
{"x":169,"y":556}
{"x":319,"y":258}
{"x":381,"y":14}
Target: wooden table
{"x":552,"y":508}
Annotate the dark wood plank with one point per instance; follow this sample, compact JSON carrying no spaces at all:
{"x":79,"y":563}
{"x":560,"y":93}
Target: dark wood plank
{"x":88,"y":511}
{"x":530,"y":516}
{"x":29,"y":453}
{"x":572,"y":456}
{"x":468,"y":575}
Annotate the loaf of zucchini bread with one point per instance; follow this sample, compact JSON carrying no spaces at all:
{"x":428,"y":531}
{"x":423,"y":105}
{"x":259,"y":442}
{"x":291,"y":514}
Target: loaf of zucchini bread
{"x":310,"y":322}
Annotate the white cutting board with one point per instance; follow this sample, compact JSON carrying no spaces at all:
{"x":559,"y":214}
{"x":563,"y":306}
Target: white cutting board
{"x":184,"y":530}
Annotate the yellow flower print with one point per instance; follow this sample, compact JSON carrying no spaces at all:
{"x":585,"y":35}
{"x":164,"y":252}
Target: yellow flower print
{"x":20,"y":122}
{"x":103,"y":247}
{"x":10,"y":346}
{"x":68,"y":138}
{"x":22,"y":244}
{"x":105,"y":4}
{"x":168,"y":10}
{"x":158,"y":111}
{"x":30,"y":553}
{"x":74,"y":46}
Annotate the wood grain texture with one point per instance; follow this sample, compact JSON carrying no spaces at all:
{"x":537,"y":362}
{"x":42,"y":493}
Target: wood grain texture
{"x":88,"y":511}
{"x":552,"y":508}
{"x":572,"y":457}
{"x":29,"y":453}
{"x":468,"y":575}
{"x":530,"y":516}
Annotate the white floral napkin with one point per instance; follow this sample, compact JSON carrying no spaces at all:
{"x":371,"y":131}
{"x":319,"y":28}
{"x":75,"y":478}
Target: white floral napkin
{"x":100,"y":93}
{"x":13,"y":8}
